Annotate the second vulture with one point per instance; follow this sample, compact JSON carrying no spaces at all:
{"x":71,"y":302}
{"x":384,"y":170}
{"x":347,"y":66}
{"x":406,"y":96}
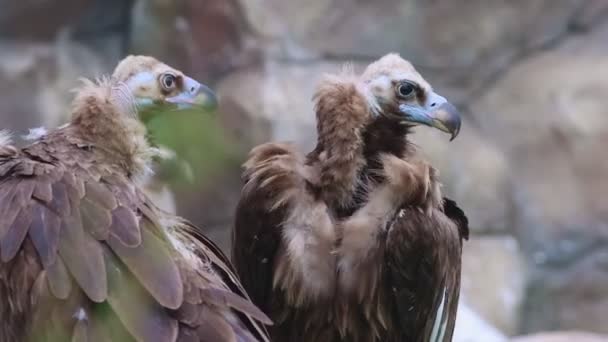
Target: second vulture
{"x":85,"y":255}
{"x":354,"y":241}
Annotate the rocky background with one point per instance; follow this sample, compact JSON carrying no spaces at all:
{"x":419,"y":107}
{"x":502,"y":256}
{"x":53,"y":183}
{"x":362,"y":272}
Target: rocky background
{"x":530,"y":167}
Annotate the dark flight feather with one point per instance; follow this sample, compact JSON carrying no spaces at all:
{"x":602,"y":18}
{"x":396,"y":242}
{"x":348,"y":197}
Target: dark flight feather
{"x":152,"y":264}
{"x":142,"y":316}
{"x":125,"y":217}
{"x":44,"y":232}
{"x":60,"y":282}
{"x":12,"y":240}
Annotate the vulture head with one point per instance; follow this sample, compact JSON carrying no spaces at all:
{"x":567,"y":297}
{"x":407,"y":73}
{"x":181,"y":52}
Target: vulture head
{"x":396,"y":90}
{"x":156,"y":86}
{"x":361,"y":117}
{"x":111,"y":112}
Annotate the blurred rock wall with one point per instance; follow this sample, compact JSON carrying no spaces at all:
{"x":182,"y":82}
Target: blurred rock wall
{"x":530,"y":167}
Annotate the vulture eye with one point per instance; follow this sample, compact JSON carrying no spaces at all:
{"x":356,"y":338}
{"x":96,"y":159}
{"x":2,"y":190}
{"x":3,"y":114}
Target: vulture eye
{"x":406,"y":89}
{"x":168,"y":81}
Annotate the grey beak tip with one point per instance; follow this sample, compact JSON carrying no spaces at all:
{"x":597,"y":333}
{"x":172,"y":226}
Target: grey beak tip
{"x":450,"y":117}
{"x":456,"y":131}
{"x":453,"y":136}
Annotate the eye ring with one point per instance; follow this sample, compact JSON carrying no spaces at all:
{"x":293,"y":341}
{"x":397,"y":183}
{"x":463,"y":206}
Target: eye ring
{"x":406,"y":89}
{"x":168,"y":81}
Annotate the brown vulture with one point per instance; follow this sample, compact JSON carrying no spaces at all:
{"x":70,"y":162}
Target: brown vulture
{"x":85,"y":255}
{"x":353,"y":241}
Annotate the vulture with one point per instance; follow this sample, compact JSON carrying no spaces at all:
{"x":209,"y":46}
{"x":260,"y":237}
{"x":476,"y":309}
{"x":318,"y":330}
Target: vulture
{"x":354,"y":241}
{"x":85,"y":255}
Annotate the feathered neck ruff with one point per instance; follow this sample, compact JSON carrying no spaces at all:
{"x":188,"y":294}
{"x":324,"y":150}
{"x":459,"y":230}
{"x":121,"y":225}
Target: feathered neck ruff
{"x":104,"y":114}
{"x":352,"y":133}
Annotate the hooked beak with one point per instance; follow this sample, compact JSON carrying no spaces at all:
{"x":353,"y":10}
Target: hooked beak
{"x":195,"y":95}
{"x":437,"y":112}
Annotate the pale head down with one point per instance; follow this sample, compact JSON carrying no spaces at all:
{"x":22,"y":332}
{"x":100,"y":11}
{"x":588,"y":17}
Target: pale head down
{"x":152,"y":83}
{"x":397,"y":90}
{"x":107,"y":113}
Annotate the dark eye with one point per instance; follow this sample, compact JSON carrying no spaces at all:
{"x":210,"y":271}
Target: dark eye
{"x":168,"y":81}
{"x":406,"y":89}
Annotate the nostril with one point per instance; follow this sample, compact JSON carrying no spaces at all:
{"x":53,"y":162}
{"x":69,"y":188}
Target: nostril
{"x":433,"y":104}
{"x":193,"y":89}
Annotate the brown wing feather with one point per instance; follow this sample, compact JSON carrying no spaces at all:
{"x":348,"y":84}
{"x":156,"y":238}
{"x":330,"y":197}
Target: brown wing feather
{"x":9,"y":206}
{"x":423,"y":260}
{"x":60,"y":282}
{"x":218,"y":291}
{"x":84,"y":258}
{"x":60,"y":205}
{"x":272,"y":182}
{"x":44,"y":232}
{"x":256,"y":239}
{"x":214,"y":328}
{"x":96,"y":264}
{"x":43,"y":190}
{"x":95,"y":219}
{"x":153,"y":265}
{"x":276,"y":178}
{"x":125,"y":217}
{"x":12,"y":240}
{"x":141,"y":315}
{"x":456,"y":215}
{"x":104,"y":325}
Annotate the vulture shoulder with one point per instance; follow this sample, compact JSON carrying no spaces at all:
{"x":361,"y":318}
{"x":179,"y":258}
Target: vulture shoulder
{"x":407,"y":227}
{"x":283,"y":235}
{"x":271,"y":181}
{"x":86,"y":256}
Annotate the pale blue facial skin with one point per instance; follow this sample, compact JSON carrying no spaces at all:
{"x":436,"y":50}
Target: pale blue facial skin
{"x":436,"y":112}
{"x":194,"y":96}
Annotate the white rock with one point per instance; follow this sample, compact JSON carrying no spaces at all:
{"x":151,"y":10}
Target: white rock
{"x":471,"y":327}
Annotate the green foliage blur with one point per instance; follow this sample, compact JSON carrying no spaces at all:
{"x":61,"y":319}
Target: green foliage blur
{"x":198,"y":141}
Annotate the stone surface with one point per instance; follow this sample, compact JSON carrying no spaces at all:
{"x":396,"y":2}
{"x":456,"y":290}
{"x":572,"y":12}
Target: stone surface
{"x":552,"y":140}
{"x":464,"y":42}
{"x":17,"y":18}
{"x":36,"y":79}
{"x":474,"y":173}
{"x":494,"y":278}
{"x":590,"y":14}
{"x":439,"y":33}
{"x":98,"y":24}
{"x":562,"y":336}
{"x":103,"y":27}
{"x":272,"y":103}
{"x":472,"y":327}
{"x":204,"y":38}
{"x":573,"y":296}
{"x":548,"y":115}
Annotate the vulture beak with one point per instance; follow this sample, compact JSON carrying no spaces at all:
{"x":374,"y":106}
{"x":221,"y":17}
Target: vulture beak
{"x":195,"y":95}
{"x":437,"y":112}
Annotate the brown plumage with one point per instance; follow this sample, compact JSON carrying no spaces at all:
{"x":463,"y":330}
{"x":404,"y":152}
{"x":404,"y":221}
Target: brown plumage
{"x":354,"y":242}
{"x":85,"y":255}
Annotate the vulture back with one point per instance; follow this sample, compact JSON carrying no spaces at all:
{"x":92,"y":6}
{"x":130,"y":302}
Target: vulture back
{"x":86,"y":256}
